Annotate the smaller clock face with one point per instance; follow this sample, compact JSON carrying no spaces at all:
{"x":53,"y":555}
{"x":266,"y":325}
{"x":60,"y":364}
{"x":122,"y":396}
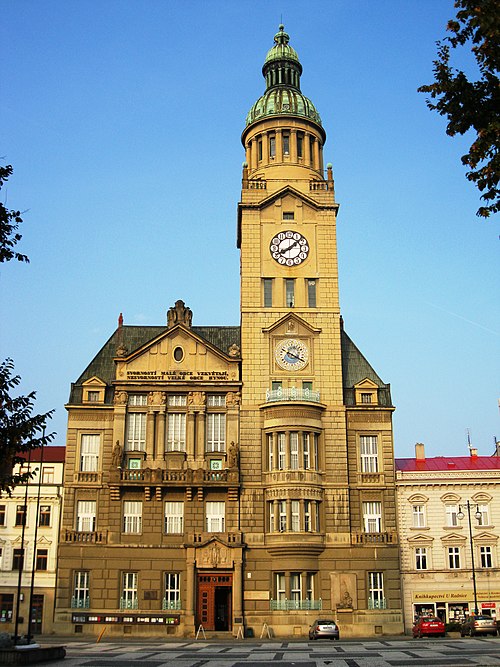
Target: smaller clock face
{"x":291,"y":354}
{"x":289,"y":248}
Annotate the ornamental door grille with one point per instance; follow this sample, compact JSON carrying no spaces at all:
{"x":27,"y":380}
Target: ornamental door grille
{"x":214,"y":610}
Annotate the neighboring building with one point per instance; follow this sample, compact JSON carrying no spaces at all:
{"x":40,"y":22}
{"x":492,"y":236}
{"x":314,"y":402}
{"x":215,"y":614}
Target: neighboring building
{"x":436,"y":558}
{"x":211,"y":487}
{"x":28,"y":543}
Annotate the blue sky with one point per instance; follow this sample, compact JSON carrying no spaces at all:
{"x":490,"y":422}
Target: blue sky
{"x":122,"y":120}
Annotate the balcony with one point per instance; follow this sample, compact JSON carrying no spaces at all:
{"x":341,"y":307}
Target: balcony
{"x":170,"y":604}
{"x":295,"y":605}
{"x":374,"y":538}
{"x":381,"y":603}
{"x":82,"y":477}
{"x":188,"y":477}
{"x":257,"y":184}
{"x":90,"y":537}
{"x":77,"y":603}
{"x":125,"y":603}
{"x":292,"y":394}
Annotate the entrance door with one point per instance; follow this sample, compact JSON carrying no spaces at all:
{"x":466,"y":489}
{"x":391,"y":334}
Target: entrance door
{"x":214,"y":610}
{"x":37,"y":614}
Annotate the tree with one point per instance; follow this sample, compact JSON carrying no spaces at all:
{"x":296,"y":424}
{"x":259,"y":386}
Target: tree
{"x":9,"y":224}
{"x":20,"y":430}
{"x":473,"y":105}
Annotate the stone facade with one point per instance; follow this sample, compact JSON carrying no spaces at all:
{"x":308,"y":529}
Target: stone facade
{"x":240,"y":478}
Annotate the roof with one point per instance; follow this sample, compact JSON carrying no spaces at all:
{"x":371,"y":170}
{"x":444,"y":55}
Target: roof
{"x":449,"y":463}
{"x":355,"y":368}
{"x":51,"y":454}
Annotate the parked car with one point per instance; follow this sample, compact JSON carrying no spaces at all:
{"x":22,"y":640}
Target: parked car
{"x":428,"y":625}
{"x":478,"y":625}
{"x":324,"y":629}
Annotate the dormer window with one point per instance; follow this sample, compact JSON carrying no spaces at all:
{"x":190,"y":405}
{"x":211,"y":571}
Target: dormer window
{"x":93,"y":390}
{"x":366,"y":392}
{"x":366,"y":398}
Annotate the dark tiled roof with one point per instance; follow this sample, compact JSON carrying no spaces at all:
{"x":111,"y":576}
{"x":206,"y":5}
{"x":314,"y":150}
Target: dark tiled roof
{"x":134,"y":337}
{"x":356,"y":368}
{"x":450,"y":463}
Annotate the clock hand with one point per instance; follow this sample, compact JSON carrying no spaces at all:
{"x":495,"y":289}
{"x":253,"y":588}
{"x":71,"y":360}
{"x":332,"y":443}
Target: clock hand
{"x":295,"y":356}
{"x":291,"y":246}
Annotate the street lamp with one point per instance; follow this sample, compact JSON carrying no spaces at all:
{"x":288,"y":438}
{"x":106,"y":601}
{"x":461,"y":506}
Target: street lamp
{"x":460,"y":516}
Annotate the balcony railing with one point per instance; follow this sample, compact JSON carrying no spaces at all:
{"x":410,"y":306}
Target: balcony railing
{"x":129,"y":604}
{"x":292,"y":394}
{"x":374,"y":538}
{"x":94,"y":537}
{"x":295,"y":605}
{"x":77,"y":603}
{"x":381,"y":603}
{"x":257,"y":184}
{"x":170,"y":604}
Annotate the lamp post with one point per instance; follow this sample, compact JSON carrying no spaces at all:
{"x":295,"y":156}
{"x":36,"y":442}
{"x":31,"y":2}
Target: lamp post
{"x":460,"y":516}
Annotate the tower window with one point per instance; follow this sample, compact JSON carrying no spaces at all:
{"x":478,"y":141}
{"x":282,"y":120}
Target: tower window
{"x":300,"y":145}
{"x":290,"y":292}
{"x":288,"y":215}
{"x":259,"y":149}
{"x":311,"y":293}
{"x":286,"y":144}
{"x":272,"y":146}
{"x":268,"y":292}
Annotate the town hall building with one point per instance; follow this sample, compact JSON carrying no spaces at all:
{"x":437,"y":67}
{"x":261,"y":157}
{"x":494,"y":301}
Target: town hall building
{"x":239,"y":479}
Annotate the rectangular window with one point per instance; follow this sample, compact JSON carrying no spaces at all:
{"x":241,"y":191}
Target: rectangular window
{"x":138,"y":400}
{"x":486,"y":556}
{"x":20,"y":515}
{"x":18,"y":559}
{"x":372,"y":517}
{"x":270,"y":451}
{"x":132,"y":516}
{"x":421,"y":558}
{"x":286,"y":144}
{"x":280,"y":586}
{"x":176,"y":432}
{"x":454,"y":558}
{"x":93,"y":397}
{"x":484,"y":519}
{"x":47,"y":475}
{"x":85,"y":515}
{"x":295,"y":586}
{"x":366,"y":398}
{"x":136,"y":432}
{"x":271,"y":517}
{"x":311,"y":148}
{"x":311,"y":292}
{"x":216,"y":400}
{"x":174,"y":517}
{"x":300,"y":144}
{"x":294,"y":450}
{"x":44,"y":516}
{"x":288,"y":215}
{"x":215,"y":516}
{"x":282,"y":515}
{"x":317,"y":515}
{"x":281,"y":451}
{"x":369,"y":453}
{"x":451,"y":515}
{"x":129,"y":591}
{"x":272,"y":146}
{"x":310,"y":586}
{"x":307,"y":516}
{"x":216,"y":432}
{"x":172,"y":598}
{"x":268,"y":292}
{"x":259,"y":146}
{"x":295,"y":507}
{"x":42,"y":558}
{"x":6,"y":607}
{"x":376,"y":598}
{"x":89,"y":453}
{"x":3,"y":513}
{"x":290,"y":292}
{"x":418,"y":516}
{"x":177,"y":400}
{"x":276,"y":385}
{"x":81,"y":590}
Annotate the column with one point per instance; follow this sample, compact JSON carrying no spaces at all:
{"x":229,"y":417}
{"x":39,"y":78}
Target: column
{"x":279,"y":145}
{"x":293,"y":145}
{"x":306,"y":147}
{"x":190,"y":437}
{"x":150,"y":435}
{"x":254,"y":158}
{"x":237,"y":589}
{"x":276,"y":526}
{"x":200,"y":434}
{"x":316,"y":155}
{"x":265,"y":148}
{"x":190,"y":574}
{"x":160,"y":437}
{"x":287,"y":450}
{"x":288,"y":514}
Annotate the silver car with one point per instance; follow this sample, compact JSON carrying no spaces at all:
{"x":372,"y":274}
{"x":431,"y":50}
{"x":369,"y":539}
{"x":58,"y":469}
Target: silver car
{"x":478,"y":625}
{"x":324,"y":629}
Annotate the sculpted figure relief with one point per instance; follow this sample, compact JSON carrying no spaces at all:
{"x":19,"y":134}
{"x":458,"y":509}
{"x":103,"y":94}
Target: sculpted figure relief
{"x":233,"y":455}
{"x":196,"y":398}
{"x":116,"y":455}
{"x":234,"y":350}
{"x":121,"y":398}
{"x":157,"y":398}
{"x":179,"y":314}
{"x":233,"y":398}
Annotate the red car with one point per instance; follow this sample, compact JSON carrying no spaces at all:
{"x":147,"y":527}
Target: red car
{"x":428,"y":625}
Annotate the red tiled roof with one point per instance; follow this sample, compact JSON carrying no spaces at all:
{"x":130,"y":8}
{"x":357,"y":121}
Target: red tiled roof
{"x":51,"y":454}
{"x":449,"y":463}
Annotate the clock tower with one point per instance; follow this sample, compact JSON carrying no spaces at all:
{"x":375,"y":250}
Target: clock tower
{"x":316,"y":452}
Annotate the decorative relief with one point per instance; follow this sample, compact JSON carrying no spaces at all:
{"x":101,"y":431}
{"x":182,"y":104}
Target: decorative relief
{"x":179,"y":314}
{"x":121,"y":398}
{"x":234,"y":350}
{"x":306,"y":493}
{"x":233,"y":398}
{"x":121,"y":351}
{"x":289,"y":411}
{"x":157,"y":398}
{"x":214,"y":555}
{"x":197,"y":398}
{"x":116,"y":455}
{"x":364,"y":417}
{"x":233,"y":455}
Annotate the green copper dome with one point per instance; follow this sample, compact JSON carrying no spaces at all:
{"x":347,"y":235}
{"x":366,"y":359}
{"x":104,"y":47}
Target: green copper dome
{"x":282,"y":70}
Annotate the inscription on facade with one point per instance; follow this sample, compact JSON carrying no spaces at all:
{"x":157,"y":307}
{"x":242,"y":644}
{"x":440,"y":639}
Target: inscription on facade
{"x":177,"y":376}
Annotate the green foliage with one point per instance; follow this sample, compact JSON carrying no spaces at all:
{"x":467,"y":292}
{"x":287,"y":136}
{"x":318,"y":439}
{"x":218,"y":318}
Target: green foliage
{"x":473,"y":105}
{"x":9,"y":224}
{"x":20,"y":430}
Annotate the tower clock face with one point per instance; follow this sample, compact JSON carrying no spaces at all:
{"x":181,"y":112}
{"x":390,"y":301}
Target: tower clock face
{"x":289,"y":248}
{"x":291,"y":354}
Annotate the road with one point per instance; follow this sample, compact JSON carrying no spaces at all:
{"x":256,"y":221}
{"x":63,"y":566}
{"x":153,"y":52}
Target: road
{"x":401,"y":652}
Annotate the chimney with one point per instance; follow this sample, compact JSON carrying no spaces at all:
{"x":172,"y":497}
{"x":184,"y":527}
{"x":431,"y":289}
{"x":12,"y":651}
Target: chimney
{"x":473,"y":451}
{"x":420,"y":451}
